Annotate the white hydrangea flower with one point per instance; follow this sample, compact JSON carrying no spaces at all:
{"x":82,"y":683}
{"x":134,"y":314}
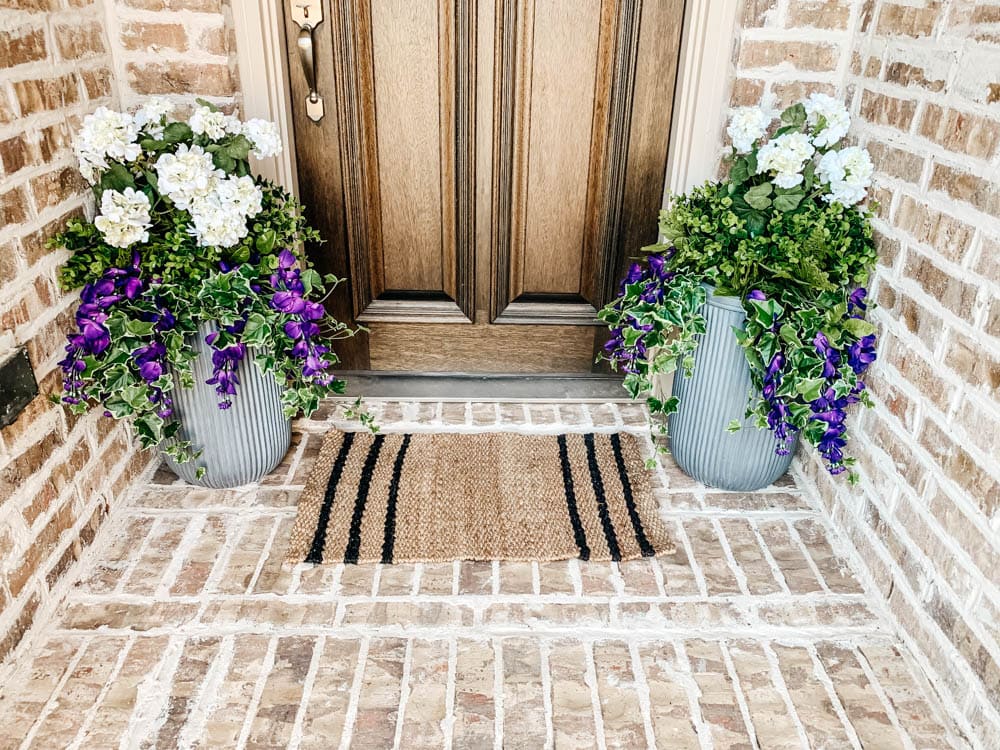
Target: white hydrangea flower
{"x":240,"y":192}
{"x":148,"y":117}
{"x":264,"y":136}
{"x":785,"y":156}
{"x":105,"y":135}
{"x":747,"y":125}
{"x":124,"y":218}
{"x":849,"y":174}
{"x":214,"y":124}
{"x":836,"y":118}
{"x":186,"y":175}
{"x":217,"y":224}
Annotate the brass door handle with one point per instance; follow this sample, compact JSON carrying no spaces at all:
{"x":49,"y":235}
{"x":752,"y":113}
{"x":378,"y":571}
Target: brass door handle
{"x":308,"y":15}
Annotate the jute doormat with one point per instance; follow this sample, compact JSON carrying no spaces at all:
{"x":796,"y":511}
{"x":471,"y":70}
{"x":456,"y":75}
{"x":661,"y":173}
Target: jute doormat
{"x":489,"y":496}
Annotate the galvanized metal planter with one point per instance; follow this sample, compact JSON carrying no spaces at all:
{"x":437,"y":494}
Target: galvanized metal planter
{"x":714,"y":395}
{"x":240,"y":444}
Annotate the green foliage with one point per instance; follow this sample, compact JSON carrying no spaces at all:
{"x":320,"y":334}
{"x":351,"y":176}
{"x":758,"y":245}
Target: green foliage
{"x":803,"y":254}
{"x":772,"y":239}
{"x":196,"y":284}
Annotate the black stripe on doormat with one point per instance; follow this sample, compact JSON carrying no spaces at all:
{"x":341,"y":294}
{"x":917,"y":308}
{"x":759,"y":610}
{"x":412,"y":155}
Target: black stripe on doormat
{"x":319,"y":538}
{"x":389,"y":535}
{"x":364,"y":484}
{"x":602,"y":501}
{"x":633,"y":514}
{"x":574,"y":515}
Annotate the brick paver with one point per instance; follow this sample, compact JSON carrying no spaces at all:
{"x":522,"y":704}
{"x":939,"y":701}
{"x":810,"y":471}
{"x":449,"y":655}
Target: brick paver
{"x":187,"y":630}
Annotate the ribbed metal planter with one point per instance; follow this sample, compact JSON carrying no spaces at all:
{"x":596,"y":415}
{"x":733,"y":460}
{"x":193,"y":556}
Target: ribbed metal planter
{"x":714,"y":395}
{"x":240,"y":444}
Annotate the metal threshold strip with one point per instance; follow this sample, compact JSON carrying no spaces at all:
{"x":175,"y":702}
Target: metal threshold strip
{"x":453,"y":386}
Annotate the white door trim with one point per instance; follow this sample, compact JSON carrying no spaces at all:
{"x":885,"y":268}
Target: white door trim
{"x":700,"y":100}
{"x":263,"y":70}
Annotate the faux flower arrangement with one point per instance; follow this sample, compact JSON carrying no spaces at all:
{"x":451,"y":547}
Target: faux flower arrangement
{"x":788,"y":233}
{"x":185,"y":234}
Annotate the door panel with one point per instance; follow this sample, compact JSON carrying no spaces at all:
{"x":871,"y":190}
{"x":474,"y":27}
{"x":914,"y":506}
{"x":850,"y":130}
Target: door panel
{"x":417,"y":246}
{"x":395,"y":67}
{"x":484,"y":163}
{"x":554,"y":108}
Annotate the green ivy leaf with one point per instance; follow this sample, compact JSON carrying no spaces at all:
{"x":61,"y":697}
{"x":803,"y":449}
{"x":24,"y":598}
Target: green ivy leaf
{"x":257,"y":330}
{"x":810,"y":388}
{"x":858,"y":328}
{"x":139,"y":328}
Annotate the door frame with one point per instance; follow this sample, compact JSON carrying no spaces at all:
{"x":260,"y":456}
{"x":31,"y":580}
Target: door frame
{"x":704,"y":79}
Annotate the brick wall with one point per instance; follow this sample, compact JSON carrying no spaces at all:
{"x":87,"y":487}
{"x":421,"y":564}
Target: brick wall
{"x":922,"y":79}
{"x":57,"y":473}
{"x":60,"y":59}
{"x":177,"y":48}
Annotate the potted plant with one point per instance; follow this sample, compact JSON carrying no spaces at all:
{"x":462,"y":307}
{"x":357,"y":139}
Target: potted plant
{"x":199,"y":317}
{"x":758,"y":296}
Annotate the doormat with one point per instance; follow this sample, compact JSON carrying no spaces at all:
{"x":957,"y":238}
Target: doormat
{"x":437,"y":497}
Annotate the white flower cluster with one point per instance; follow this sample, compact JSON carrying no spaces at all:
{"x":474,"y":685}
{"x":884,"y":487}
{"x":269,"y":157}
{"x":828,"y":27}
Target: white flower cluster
{"x":150,"y":115}
{"x":786,"y":156}
{"x":219,"y":205}
{"x":264,"y":136}
{"x":215,"y":124}
{"x":747,"y":126}
{"x":124,"y":218}
{"x":221,"y":219}
{"x":105,"y":135}
{"x":849,"y":174}
{"x":835,"y":119}
{"x":187,"y":175}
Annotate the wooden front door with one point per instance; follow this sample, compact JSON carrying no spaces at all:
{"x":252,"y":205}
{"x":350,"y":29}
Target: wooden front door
{"x":483,"y":171}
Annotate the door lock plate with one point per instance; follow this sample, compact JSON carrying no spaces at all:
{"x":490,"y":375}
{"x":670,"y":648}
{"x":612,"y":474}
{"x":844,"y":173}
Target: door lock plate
{"x":314,"y":108}
{"x":307,"y":12}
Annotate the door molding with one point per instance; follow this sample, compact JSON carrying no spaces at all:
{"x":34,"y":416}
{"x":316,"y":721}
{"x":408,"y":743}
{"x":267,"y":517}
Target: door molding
{"x":700,"y":100}
{"x":258,"y":27}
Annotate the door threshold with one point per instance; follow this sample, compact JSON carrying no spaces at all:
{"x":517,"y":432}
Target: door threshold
{"x":460,"y":386}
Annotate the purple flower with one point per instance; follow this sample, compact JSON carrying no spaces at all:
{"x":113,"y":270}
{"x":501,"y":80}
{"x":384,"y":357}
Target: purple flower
{"x":856,"y":299}
{"x":132,"y":287}
{"x":290,"y":303}
{"x":150,"y":371}
{"x":96,"y":337}
{"x":758,"y":295}
{"x":225,"y":362}
{"x":831,"y":357}
{"x":861,"y":354}
{"x":658,"y":265}
{"x":286,"y":259}
{"x":778,"y":412}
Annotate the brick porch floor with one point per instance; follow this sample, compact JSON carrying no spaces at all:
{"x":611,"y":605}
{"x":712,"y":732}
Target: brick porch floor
{"x":185,"y":630}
